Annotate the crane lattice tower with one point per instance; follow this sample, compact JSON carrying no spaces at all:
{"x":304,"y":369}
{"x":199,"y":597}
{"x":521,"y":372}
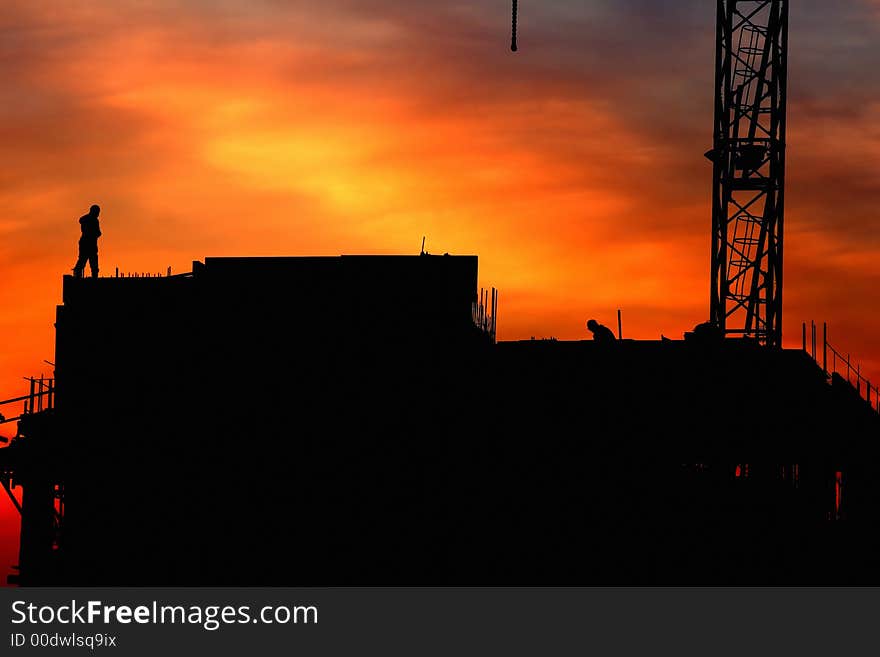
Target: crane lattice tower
{"x":748,"y":158}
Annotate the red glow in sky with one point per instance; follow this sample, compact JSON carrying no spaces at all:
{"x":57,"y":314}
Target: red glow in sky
{"x":574,"y":168}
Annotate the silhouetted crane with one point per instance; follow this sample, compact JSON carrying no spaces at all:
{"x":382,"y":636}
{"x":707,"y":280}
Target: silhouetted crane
{"x":748,"y":178}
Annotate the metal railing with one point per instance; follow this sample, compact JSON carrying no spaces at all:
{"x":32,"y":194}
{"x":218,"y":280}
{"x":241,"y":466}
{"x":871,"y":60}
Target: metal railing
{"x":40,"y":398}
{"x":840,"y":364}
{"x":484,"y":313}
{"x":144,"y":274}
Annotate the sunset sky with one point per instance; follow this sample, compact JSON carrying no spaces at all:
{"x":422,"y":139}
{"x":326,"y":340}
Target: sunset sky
{"x":573,"y":168}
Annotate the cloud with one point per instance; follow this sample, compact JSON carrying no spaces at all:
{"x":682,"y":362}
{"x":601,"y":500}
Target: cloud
{"x":574,"y":167}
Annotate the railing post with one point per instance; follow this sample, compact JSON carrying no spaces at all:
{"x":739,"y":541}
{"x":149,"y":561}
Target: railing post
{"x":495,"y":317}
{"x":825,"y":347}
{"x":492,"y":310}
{"x":814,"y":341}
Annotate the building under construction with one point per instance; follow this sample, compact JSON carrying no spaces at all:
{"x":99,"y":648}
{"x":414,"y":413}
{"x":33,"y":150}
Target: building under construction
{"x":352,"y":420}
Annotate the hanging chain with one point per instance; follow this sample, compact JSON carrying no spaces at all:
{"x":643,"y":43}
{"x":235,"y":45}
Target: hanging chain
{"x":513,"y":29}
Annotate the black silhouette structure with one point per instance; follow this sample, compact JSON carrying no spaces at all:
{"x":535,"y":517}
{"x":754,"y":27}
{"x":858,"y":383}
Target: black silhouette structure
{"x":601,"y":333}
{"x":343,"y":420}
{"x":748,"y":179}
{"x":88,"y":243}
{"x":352,"y":420}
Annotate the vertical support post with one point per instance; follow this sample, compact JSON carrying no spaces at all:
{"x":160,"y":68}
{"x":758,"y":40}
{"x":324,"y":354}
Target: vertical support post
{"x":495,"y":317}
{"x":825,"y":347}
{"x":492,"y":318}
{"x":619,"y":325}
{"x":804,"y":327}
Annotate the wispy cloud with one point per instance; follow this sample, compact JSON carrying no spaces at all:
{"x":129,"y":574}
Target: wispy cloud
{"x":573,"y":168}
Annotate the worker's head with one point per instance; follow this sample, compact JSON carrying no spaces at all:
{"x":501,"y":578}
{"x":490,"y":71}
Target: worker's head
{"x":592,"y":324}
{"x":94,"y":210}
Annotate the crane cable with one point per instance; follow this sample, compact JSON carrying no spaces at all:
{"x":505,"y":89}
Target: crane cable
{"x":513,"y":29}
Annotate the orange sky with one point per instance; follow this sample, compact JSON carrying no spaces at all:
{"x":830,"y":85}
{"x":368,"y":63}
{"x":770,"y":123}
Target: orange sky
{"x":574,"y":168}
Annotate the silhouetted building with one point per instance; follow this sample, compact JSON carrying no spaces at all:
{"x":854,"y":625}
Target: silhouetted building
{"x":343,"y":421}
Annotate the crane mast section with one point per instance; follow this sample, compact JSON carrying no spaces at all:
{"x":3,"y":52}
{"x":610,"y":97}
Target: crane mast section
{"x":748,"y":180}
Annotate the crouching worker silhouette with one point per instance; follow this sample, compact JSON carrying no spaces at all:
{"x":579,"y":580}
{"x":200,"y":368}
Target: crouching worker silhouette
{"x":88,"y":243}
{"x":600,"y":332}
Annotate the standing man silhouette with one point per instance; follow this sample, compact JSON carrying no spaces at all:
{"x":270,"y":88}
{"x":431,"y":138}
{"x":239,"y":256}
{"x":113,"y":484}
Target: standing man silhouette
{"x":88,"y":243}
